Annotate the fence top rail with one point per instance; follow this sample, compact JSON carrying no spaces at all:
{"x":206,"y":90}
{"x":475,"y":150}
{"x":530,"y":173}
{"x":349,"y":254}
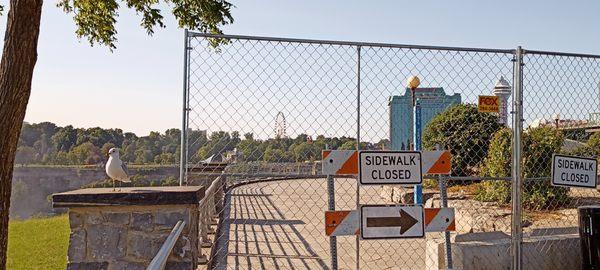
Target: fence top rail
{"x":581,"y":55}
{"x":350,"y":43}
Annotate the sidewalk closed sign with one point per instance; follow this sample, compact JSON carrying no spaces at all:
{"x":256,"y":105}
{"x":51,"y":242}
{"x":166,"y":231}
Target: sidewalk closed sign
{"x":572,"y":171}
{"x":389,"y":167}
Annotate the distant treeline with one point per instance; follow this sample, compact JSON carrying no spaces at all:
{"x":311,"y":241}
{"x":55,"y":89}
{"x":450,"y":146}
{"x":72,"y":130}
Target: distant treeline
{"x":46,"y":143}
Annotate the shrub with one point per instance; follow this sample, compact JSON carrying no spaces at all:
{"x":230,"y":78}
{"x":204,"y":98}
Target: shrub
{"x":497,"y":164}
{"x":591,"y":149}
{"x":538,"y":146}
{"x":465,"y":132}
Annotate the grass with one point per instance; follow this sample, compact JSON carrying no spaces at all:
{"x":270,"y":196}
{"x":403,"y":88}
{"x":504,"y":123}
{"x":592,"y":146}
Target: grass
{"x":38,"y":243}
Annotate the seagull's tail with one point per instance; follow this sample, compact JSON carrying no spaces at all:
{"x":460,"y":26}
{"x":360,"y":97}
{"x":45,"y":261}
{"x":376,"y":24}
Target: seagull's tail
{"x":126,"y":180}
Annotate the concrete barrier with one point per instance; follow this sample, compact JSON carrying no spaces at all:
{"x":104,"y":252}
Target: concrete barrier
{"x":491,"y":251}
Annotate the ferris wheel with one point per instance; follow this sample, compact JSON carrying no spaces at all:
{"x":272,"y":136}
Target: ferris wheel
{"x":280,"y":126}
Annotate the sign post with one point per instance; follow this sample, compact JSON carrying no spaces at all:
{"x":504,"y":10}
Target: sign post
{"x":390,"y":168}
{"x":418,"y":194}
{"x":331,"y":207}
{"x":570,"y":171}
{"x":391,"y":221}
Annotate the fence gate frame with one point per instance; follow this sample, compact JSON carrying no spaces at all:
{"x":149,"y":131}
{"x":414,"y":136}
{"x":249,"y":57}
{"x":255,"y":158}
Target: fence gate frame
{"x":516,"y":176}
{"x":517,"y":185}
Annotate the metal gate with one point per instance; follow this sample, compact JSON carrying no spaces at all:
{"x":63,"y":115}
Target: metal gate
{"x":259,"y":111}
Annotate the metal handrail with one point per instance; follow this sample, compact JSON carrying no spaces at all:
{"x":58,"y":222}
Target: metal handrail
{"x":160,"y":260}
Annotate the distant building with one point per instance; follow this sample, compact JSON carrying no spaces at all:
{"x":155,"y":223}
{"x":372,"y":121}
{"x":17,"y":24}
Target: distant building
{"x":503,"y":90}
{"x":433,"y":101}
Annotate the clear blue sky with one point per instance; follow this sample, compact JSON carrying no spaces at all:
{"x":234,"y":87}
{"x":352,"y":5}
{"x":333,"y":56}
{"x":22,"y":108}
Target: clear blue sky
{"x":138,"y":86}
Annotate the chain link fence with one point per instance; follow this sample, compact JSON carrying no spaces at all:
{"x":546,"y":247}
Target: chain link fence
{"x":259,"y":111}
{"x":561,"y":100}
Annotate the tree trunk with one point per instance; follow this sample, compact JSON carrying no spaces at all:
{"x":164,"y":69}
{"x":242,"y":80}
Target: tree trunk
{"x":16,"y":70}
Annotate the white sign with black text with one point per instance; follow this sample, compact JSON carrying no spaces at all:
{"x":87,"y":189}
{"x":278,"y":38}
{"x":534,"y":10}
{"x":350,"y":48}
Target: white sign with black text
{"x":389,"y":167}
{"x":572,"y":171}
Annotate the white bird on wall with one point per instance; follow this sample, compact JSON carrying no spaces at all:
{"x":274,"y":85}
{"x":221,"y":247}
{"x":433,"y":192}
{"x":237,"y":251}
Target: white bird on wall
{"x":115,"y":168}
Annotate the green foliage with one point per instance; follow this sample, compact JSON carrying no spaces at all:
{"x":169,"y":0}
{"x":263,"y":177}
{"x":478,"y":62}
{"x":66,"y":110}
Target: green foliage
{"x":274,"y":155}
{"x":351,"y":145}
{"x":465,"y":132}
{"x":165,"y":158}
{"x":594,"y":142}
{"x":591,"y":149}
{"x":493,"y":191}
{"x":539,"y":144}
{"x":219,"y":143}
{"x":251,"y":149}
{"x":498,"y":160}
{"x":306,"y":151}
{"x":86,"y":152}
{"x":95,"y":20}
{"x":39,"y":243}
{"x":47,"y":144}
{"x":430,"y":183}
{"x":497,"y":164}
{"x":107,"y":146}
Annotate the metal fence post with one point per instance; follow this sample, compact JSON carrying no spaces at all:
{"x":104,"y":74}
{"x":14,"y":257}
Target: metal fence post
{"x":358,"y":48}
{"x":183,"y":144}
{"x":517,"y":184}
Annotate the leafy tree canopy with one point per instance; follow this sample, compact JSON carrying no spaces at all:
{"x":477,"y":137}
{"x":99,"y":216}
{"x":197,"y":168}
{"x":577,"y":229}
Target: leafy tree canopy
{"x":465,"y":132}
{"x":95,"y":19}
{"x":45,"y":143}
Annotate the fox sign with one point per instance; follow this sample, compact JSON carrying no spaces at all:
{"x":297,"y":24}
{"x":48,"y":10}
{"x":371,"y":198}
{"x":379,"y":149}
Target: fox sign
{"x":489,"y":104}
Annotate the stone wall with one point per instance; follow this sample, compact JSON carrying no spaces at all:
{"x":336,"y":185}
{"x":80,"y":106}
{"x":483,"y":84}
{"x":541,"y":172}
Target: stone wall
{"x":32,"y":185}
{"x":128,"y":237}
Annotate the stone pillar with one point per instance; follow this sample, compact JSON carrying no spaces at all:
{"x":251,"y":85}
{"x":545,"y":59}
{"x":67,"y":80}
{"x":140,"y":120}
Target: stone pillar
{"x":124,"y":229}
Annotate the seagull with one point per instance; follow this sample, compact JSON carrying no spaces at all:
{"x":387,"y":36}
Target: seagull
{"x":115,"y":168}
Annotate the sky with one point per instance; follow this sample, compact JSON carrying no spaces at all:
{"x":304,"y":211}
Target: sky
{"x":138,"y":87}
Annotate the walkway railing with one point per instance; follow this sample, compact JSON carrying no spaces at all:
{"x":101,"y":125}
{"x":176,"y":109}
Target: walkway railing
{"x":160,"y":260}
{"x":209,"y":208}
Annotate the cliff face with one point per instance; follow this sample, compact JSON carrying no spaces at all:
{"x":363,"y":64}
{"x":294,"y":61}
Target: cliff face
{"x":32,"y":186}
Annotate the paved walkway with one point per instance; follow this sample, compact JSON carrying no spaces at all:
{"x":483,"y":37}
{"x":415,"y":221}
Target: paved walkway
{"x":280,"y":225}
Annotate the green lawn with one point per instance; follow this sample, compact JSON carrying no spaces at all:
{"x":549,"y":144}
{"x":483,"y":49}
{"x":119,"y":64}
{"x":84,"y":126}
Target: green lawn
{"x":38,"y":243}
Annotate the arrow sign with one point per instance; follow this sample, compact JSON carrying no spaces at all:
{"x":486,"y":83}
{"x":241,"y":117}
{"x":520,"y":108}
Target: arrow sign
{"x":404,"y":221}
{"x":392,"y":221}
